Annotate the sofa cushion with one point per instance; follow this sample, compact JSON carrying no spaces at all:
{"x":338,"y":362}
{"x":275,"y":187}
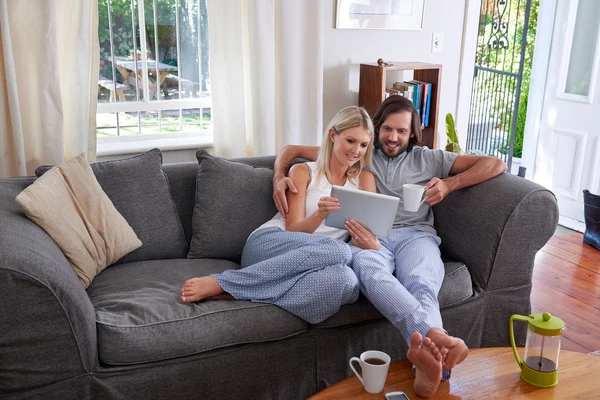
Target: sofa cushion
{"x":69,"y":204}
{"x":232,"y":199}
{"x":140,"y":317}
{"x":140,"y":192}
{"x":456,"y":288}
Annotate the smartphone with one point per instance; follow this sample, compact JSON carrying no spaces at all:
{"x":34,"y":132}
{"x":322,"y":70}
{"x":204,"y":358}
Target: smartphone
{"x":396,"y":396}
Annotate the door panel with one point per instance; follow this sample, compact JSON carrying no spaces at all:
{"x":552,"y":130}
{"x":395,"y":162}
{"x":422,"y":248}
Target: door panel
{"x":567,"y":159}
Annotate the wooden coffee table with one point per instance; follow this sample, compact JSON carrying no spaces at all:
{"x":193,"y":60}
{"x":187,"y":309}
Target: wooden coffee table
{"x":490,"y":373}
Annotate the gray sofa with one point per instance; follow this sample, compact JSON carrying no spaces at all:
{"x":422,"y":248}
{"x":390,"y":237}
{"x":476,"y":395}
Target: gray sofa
{"x":129,"y":337}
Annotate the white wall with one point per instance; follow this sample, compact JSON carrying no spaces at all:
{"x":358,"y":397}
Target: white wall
{"x":345,"y":49}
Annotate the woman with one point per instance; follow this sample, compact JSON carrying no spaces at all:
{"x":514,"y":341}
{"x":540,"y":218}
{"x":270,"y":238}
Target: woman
{"x":298,"y":263}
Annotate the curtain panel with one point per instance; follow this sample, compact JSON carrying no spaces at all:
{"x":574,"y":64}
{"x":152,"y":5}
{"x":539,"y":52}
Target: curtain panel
{"x":266,"y":59}
{"x":49,"y":61}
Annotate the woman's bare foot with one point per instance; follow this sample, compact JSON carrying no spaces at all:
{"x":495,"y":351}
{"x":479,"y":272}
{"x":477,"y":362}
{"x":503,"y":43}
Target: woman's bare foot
{"x":457,"y":349}
{"x":222,"y":296}
{"x":197,"y":289}
{"x":426,"y":357}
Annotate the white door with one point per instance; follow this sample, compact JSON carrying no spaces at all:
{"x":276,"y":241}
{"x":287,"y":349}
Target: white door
{"x":567,"y":157}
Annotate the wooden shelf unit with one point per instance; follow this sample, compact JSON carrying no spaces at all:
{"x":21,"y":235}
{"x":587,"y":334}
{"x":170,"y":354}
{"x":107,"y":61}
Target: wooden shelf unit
{"x":373,"y":84}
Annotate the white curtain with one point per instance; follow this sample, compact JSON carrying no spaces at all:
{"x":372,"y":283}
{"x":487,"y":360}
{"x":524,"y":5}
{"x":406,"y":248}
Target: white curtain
{"x":266,"y":62}
{"x":49,"y":61}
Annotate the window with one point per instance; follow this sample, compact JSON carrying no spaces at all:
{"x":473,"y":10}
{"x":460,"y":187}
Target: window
{"x":154,"y":69}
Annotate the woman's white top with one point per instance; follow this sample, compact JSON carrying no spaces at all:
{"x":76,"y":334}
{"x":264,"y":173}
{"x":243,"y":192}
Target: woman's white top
{"x":314,"y":192}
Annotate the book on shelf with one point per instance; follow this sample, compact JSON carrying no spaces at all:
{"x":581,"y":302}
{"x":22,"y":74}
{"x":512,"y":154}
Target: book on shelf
{"x":424,"y":101}
{"x":407,"y":92}
{"x":418,"y":92}
{"x":389,"y":92}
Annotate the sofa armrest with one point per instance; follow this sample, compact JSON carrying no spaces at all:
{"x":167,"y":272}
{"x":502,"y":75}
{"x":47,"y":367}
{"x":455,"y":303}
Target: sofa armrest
{"x":496,"y":228}
{"x":46,"y":318}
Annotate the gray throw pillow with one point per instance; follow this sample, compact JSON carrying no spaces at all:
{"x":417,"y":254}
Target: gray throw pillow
{"x":140,"y":191}
{"x":232,"y":199}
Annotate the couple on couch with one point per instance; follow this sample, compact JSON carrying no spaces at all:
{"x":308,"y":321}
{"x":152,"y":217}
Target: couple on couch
{"x":309,"y":269}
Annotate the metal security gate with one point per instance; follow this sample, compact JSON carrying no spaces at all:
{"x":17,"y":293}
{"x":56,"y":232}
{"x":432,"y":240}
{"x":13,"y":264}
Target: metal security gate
{"x":498,"y":77}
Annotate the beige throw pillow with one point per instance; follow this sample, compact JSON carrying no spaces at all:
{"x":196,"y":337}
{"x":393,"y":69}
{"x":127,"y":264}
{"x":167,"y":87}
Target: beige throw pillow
{"x":69,"y":204}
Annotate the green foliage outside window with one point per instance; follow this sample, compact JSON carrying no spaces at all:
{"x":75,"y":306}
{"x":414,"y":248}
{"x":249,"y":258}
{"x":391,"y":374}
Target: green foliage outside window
{"x":124,"y":27}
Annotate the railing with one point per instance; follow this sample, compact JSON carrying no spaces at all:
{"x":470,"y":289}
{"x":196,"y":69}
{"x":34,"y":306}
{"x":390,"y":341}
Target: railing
{"x":499,"y":78}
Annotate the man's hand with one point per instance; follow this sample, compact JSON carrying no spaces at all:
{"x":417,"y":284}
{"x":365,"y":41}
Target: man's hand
{"x":436,"y":190}
{"x":280,"y":185}
{"x":361,"y":236}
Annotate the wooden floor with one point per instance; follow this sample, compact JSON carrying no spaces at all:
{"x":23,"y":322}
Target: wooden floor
{"x":566,"y":283}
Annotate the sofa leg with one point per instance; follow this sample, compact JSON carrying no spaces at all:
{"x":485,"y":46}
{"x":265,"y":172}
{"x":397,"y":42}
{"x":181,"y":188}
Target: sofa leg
{"x":591,"y":206}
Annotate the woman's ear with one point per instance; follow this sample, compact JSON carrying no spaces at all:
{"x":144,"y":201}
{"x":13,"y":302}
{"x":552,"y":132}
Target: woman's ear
{"x":332,"y":134}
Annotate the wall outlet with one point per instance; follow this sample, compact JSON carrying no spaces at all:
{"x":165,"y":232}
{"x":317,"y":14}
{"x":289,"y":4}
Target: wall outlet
{"x":437,"y":42}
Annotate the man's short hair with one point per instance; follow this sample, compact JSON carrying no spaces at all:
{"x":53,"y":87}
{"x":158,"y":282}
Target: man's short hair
{"x":398,"y":104}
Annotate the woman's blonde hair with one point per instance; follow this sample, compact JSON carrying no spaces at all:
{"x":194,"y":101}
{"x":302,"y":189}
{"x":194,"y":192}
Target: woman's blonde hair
{"x":349,"y":117}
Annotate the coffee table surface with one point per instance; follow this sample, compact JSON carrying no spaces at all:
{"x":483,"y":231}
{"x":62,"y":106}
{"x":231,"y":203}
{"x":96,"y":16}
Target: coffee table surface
{"x":490,"y":373}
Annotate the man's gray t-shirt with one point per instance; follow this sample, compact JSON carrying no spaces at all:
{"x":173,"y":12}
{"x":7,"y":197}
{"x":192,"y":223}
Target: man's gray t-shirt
{"x":419,"y":166}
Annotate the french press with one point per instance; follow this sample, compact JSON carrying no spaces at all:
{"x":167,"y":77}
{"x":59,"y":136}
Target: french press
{"x":542,"y":348}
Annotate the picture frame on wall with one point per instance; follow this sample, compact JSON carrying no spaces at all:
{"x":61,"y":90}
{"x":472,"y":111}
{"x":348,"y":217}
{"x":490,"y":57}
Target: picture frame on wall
{"x":380,"y":14}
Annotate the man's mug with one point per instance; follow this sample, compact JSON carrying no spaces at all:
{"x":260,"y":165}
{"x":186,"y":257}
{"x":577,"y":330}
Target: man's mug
{"x":374,"y":366}
{"x":413,"y":196}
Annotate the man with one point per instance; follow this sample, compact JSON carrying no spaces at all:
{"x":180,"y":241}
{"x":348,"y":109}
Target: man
{"x":402,"y":279}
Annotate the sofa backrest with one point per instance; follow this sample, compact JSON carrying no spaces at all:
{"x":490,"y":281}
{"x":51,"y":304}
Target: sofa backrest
{"x":182,"y":179}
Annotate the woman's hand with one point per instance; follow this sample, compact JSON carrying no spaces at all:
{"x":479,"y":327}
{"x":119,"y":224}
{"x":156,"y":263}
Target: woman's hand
{"x":361,"y":236}
{"x":326,"y":205}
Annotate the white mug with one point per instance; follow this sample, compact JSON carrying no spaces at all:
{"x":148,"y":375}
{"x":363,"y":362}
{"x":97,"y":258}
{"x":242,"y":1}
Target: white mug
{"x":374,"y":366}
{"x":413,"y":196}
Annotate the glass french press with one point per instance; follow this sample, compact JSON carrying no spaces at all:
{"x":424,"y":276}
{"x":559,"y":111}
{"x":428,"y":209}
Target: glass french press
{"x":539,"y":366}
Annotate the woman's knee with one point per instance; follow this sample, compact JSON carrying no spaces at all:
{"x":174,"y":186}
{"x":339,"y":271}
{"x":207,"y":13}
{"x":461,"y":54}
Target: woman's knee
{"x":341,"y":285}
{"x":337,"y":251}
{"x":351,"y":285}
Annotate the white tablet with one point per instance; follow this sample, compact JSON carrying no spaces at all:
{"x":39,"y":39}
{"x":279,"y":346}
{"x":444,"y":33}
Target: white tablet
{"x":374,"y":211}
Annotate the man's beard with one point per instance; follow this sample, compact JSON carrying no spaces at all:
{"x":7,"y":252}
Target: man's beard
{"x":396,"y":152}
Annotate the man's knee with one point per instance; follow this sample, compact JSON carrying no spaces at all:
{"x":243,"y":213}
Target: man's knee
{"x":365,"y":261}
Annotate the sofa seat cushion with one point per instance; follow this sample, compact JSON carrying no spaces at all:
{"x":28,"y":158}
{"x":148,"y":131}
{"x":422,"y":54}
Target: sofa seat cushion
{"x":456,"y":288}
{"x":140,"y":317}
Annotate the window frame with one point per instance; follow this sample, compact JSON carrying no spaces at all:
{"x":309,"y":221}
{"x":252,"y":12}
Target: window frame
{"x":144,"y":103}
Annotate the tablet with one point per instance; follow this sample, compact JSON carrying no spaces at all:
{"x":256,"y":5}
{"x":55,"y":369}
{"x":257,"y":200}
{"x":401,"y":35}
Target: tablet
{"x":374,"y":211}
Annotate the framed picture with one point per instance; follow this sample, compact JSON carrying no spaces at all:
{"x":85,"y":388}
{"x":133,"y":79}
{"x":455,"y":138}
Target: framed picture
{"x":380,"y":14}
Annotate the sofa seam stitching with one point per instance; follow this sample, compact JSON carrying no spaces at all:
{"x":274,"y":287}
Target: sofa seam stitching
{"x":296,"y":333}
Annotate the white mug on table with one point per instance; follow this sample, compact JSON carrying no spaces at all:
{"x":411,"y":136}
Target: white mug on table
{"x":374,"y":366}
{"x":413,"y":196}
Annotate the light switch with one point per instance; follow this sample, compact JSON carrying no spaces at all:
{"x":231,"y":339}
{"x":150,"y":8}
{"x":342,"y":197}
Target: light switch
{"x":437,"y":42}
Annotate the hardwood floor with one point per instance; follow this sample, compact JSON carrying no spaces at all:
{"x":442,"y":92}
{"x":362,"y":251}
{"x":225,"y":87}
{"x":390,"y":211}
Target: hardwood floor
{"x":566,"y":283}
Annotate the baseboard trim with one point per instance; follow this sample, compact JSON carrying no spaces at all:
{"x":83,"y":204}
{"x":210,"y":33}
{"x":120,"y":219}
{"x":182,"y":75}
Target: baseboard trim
{"x":571,"y":223}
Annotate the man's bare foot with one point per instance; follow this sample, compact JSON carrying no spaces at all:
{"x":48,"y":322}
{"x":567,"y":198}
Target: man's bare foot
{"x":457,"y":349}
{"x":197,"y":289}
{"x":426,"y":357}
